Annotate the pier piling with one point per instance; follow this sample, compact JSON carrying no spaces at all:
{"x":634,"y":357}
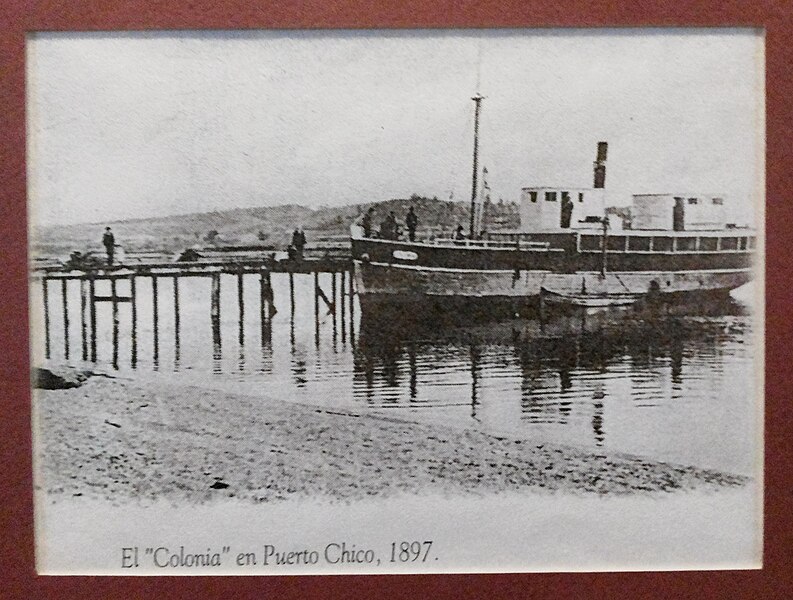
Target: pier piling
{"x":133,"y":299}
{"x":44,"y":287}
{"x":92,"y":314}
{"x":155,"y":321}
{"x":65,"y":302}
{"x":83,"y":321}
{"x":214,"y":311}
{"x":317,"y":292}
{"x":333,"y":304}
{"x":114,"y":301}
{"x":333,"y":293}
{"x":266,"y":304}
{"x":352,"y":304}
{"x":270,"y":296}
{"x":241,"y":307}
{"x":292,"y":294}
{"x":343,"y":308}
{"x":340,"y":291}
{"x":176,"y":323}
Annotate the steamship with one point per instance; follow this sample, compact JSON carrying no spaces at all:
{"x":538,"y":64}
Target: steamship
{"x":566,"y":250}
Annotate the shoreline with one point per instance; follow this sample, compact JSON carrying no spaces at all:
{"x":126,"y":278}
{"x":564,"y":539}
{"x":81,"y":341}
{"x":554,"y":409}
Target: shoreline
{"x":115,"y":439}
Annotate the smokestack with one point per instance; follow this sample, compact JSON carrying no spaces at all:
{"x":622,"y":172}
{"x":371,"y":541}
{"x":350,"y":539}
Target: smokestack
{"x":600,"y":165}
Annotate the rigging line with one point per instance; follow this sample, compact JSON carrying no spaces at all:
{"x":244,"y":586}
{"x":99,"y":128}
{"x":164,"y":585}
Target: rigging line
{"x":622,"y":282}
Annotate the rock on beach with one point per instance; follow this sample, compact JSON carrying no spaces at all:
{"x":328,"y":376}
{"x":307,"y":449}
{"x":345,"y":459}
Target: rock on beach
{"x":61,"y":378}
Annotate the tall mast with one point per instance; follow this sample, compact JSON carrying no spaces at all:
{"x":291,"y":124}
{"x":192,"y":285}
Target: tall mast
{"x":478,"y":101}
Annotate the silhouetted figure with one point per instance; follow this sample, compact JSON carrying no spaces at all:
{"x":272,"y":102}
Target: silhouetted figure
{"x":299,"y":242}
{"x":189,"y":255}
{"x":389,"y":230}
{"x":385,"y":234}
{"x":109,"y":242}
{"x":393,"y":226}
{"x":567,"y":211}
{"x":459,"y":233}
{"x":412,"y":221}
{"x":366,"y":222}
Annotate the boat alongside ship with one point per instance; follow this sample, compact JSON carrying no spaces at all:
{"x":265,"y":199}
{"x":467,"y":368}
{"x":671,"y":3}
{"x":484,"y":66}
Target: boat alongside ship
{"x":567,"y":250}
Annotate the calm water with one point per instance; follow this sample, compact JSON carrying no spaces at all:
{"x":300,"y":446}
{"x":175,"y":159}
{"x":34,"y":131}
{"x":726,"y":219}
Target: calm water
{"x":679,"y":388}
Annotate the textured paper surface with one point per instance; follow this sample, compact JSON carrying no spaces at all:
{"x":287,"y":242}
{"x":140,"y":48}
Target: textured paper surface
{"x":137,"y":126}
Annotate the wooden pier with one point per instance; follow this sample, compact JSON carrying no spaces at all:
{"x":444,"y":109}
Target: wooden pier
{"x":337,"y":300}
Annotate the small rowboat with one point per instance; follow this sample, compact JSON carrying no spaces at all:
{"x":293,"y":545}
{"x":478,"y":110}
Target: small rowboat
{"x":589,"y":300}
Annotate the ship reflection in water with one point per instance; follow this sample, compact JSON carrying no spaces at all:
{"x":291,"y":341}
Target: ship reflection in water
{"x":674,"y":385}
{"x":677,"y":386}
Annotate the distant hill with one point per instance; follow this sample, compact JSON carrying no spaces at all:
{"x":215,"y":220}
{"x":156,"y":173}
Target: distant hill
{"x":270,"y":225}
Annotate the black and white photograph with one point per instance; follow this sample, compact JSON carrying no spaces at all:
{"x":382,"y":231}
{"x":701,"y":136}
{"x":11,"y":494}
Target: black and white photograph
{"x":378,"y":301}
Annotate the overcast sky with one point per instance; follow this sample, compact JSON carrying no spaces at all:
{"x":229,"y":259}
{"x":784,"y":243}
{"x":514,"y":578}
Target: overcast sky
{"x":137,"y":125}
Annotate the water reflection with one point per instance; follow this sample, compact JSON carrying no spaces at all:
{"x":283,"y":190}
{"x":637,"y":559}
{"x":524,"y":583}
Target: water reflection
{"x":566,"y":373}
{"x":676,"y":386}
{"x":267,"y":348}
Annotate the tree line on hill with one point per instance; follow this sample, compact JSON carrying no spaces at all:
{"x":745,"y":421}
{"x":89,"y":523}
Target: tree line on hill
{"x":268,"y":226}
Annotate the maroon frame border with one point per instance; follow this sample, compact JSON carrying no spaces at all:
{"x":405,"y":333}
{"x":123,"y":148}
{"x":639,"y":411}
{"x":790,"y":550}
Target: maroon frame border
{"x":17,"y":17}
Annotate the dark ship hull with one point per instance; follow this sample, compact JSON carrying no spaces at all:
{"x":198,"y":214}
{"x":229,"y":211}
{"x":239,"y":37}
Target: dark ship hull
{"x":467,"y":275}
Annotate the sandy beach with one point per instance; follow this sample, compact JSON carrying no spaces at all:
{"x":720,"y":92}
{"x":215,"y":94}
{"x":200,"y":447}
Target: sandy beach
{"x":118,"y":440}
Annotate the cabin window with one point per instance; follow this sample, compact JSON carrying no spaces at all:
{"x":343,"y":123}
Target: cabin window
{"x":692,"y":200}
{"x":550,"y":196}
{"x":580,"y":196}
{"x":639,"y":244}
{"x":662,"y":244}
{"x":751,"y":242}
{"x":533,"y":196}
{"x":742,"y":243}
{"x":729,"y":243}
{"x":686,"y":244}
{"x":615,"y":243}
{"x":718,"y":201}
{"x":708,"y":244}
{"x":590,"y":242}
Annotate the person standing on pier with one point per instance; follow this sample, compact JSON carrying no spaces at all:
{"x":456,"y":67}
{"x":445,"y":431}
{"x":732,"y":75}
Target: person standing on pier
{"x":412,"y":221}
{"x":302,"y":245}
{"x":109,"y":242}
{"x":299,"y":242}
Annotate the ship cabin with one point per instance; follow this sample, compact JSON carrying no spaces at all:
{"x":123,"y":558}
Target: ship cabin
{"x":553,"y":217}
{"x":560,"y":209}
{"x":678,"y":212}
{"x":571,"y":219}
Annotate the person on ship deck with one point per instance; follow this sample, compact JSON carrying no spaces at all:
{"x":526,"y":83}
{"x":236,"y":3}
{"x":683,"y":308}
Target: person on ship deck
{"x":366,"y":222}
{"x":389,"y":228}
{"x":412,"y":221}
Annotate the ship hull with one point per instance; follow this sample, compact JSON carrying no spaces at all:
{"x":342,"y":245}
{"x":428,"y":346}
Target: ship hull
{"x":409,"y":273}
